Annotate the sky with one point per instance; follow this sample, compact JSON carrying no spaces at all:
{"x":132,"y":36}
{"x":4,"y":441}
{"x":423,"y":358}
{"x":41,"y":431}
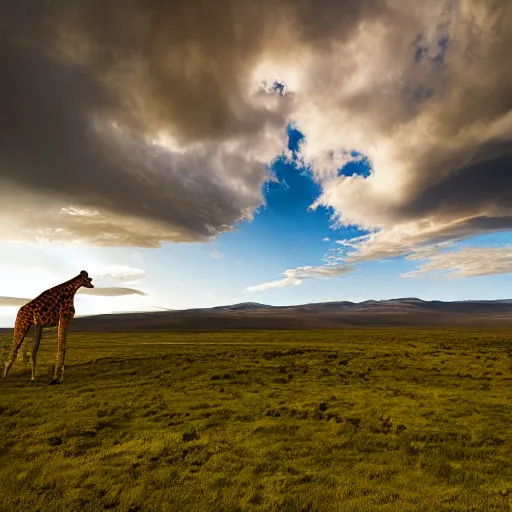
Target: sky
{"x":194,"y":154}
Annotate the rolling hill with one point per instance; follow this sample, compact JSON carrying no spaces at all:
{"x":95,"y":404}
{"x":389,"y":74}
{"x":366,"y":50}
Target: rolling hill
{"x":326,"y":315}
{"x":403,"y":312}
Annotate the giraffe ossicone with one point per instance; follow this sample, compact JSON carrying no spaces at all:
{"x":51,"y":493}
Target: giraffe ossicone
{"x":52,"y":308}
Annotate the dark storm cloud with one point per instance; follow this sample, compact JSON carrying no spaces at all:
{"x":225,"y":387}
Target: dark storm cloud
{"x":484,"y":186}
{"x":441,"y":161}
{"x":48,"y":144}
{"x":186,"y":65}
{"x":77,"y":131}
{"x":88,"y":87}
{"x":469,"y":172}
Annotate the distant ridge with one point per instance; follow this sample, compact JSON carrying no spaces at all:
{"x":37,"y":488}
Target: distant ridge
{"x":243,"y":306}
{"x":405,"y":311}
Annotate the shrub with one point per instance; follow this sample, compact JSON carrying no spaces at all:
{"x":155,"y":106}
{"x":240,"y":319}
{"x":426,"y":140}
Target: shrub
{"x":190,"y":434}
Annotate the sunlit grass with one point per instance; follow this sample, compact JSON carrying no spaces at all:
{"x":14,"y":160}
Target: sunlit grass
{"x":384,"y":420}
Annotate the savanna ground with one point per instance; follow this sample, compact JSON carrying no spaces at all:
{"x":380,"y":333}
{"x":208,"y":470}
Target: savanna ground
{"x":366,"y":420}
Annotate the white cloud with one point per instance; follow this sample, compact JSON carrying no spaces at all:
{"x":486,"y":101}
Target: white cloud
{"x":12,"y":302}
{"x":405,"y":238}
{"x":215,"y":254}
{"x":118,"y":273}
{"x":287,"y":281}
{"x":110,"y":291}
{"x":464,"y":262}
{"x":294,"y":276}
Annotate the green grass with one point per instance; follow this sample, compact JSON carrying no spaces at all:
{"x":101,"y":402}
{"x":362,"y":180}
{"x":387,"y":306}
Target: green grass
{"x":366,"y":420}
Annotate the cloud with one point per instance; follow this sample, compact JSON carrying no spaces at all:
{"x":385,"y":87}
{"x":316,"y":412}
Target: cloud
{"x":465,"y":262}
{"x":113,"y":291}
{"x":120,"y":273}
{"x":215,"y":254}
{"x":134,"y":123}
{"x":287,"y":281}
{"x":295,"y":276}
{"x":131,"y":131}
{"x":437,"y":172}
{"x":12,"y":302}
{"x":410,"y":237}
{"x":99,"y":292}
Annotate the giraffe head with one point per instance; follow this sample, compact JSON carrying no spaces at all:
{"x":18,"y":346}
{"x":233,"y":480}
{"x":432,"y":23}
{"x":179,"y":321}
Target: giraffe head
{"x":85,"y":280}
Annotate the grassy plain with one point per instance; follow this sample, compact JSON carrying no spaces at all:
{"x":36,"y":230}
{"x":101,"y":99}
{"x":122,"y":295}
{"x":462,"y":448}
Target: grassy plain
{"x":293,"y":421}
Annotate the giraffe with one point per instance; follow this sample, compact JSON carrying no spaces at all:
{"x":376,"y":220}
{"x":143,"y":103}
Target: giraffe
{"x":54,"y":307}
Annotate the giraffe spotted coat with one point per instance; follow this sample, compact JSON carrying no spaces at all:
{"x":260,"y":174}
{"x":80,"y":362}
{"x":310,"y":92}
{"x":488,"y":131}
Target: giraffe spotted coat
{"x":53,"y":307}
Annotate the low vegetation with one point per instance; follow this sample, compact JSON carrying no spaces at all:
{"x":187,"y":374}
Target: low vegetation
{"x":366,"y":420}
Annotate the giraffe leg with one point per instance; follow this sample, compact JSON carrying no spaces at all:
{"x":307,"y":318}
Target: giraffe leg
{"x":35,"y":348}
{"x":61,"y":349}
{"x":21,"y":328}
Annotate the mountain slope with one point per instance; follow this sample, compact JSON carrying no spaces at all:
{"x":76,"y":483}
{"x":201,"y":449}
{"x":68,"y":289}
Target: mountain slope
{"x":328,"y":315}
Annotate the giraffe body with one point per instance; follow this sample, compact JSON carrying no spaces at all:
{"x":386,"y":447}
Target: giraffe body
{"x":48,"y":308}
{"x":54,"y":307}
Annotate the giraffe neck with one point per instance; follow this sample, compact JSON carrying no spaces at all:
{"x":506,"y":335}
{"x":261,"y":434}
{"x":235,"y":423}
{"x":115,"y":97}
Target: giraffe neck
{"x":69,"y":287}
